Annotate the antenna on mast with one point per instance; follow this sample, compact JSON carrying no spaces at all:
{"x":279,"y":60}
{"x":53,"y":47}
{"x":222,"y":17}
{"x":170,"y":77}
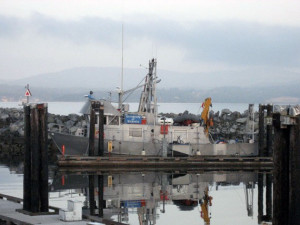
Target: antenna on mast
{"x":122,"y":56}
{"x":121,"y":90}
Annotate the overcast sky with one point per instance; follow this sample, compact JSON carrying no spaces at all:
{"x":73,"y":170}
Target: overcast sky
{"x":51,"y":35}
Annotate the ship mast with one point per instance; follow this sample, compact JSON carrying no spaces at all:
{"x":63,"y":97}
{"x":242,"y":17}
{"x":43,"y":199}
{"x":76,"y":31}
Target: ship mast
{"x":122,"y":69}
{"x":148,"y":101}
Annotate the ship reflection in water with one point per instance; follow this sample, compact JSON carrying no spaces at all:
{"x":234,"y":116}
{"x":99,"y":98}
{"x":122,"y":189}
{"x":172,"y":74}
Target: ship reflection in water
{"x":144,"y":198}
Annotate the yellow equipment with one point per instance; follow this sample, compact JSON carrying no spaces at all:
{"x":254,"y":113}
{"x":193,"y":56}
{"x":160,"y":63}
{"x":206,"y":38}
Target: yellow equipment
{"x":205,"y":114}
{"x":109,"y":146}
{"x":205,"y":207}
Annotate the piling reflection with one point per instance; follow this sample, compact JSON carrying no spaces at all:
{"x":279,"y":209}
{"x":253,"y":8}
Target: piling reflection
{"x":152,"y":195}
{"x":264,"y":196}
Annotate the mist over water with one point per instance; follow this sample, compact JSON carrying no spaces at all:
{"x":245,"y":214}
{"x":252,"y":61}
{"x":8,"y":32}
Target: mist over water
{"x":65,"y":108}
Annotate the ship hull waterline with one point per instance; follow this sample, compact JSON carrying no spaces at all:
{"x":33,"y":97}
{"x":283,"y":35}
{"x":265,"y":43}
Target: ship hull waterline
{"x":78,"y":145}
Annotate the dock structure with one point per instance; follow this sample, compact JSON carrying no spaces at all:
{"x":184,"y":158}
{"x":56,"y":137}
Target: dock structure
{"x":11,"y":207}
{"x":279,"y":151}
{"x":265,"y":130}
{"x":207,"y":162}
{"x":286,"y":195}
{"x":97,"y":108}
{"x":36,"y":158}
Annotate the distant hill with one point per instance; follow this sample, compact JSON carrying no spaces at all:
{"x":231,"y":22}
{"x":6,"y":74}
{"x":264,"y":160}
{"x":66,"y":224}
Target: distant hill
{"x":252,"y":85}
{"x":108,"y":78}
{"x":283,"y":94}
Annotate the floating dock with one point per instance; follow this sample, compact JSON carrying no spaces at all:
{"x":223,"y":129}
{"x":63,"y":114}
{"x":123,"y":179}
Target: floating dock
{"x":11,"y":213}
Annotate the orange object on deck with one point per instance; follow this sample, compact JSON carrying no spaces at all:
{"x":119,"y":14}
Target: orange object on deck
{"x":63,"y":180}
{"x":63,"y":150}
{"x":164,"y":129}
{"x":143,"y":202}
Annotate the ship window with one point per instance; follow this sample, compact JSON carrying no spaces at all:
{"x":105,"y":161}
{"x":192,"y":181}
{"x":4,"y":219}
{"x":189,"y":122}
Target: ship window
{"x":113,"y":120}
{"x":135,"y":132}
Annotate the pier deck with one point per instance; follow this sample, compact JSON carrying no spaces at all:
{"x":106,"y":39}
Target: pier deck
{"x":207,"y":162}
{"x":9,"y":213}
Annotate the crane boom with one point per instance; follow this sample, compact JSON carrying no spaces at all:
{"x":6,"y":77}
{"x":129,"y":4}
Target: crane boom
{"x":205,"y":114}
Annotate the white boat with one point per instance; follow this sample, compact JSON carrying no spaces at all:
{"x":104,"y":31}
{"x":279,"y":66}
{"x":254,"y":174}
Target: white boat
{"x":144,"y":133}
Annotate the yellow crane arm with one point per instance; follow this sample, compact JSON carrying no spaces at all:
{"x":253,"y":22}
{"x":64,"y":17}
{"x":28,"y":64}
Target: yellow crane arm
{"x":205,"y":114}
{"x":204,"y":207}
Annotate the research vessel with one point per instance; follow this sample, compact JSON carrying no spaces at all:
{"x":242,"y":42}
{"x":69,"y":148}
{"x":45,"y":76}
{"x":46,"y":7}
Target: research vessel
{"x":144,"y":132}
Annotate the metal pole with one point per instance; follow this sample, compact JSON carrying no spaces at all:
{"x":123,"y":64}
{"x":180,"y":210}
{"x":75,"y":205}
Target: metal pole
{"x":27,"y":97}
{"x":121,"y":91}
{"x":165,"y":147}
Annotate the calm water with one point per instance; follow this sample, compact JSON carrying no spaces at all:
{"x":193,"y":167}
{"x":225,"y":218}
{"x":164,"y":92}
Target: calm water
{"x":133,"y":195}
{"x":154,"y":197}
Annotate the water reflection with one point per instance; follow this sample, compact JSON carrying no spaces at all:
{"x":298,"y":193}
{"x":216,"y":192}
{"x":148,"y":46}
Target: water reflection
{"x":162,"y":197}
{"x":166,"y":197}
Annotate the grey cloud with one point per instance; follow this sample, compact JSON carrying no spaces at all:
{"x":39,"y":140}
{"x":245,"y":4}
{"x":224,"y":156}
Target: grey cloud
{"x":247,"y":44}
{"x":82,"y":31}
{"x":233,"y":42}
{"x":10,"y":26}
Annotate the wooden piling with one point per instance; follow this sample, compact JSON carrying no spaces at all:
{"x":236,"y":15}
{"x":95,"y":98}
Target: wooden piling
{"x":281,"y":172}
{"x":43,"y":138}
{"x":27,"y":161}
{"x":92,"y":194}
{"x":269,"y":196}
{"x":101,"y":131}
{"x":269,"y":150}
{"x":35,"y":161}
{"x":92,"y":131}
{"x":294,"y":171}
{"x":35,"y":184}
{"x":260,"y":196}
{"x":261,"y":130}
{"x":100,"y":195}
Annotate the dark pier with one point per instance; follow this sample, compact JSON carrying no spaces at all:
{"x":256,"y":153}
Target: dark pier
{"x":265,"y":131}
{"x":36,"y":159}
{"x":286,"y":195}
{"x":97,"y":108}
{"x":207,"y":162}
{"x":279,"y":152}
